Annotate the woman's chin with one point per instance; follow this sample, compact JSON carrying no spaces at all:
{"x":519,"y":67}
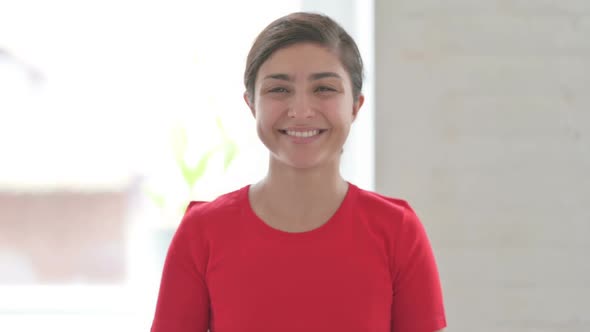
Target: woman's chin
{"x":306,"y":163}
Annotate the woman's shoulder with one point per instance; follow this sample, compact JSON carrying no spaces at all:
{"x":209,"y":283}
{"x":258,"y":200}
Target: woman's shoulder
{"x":379,"y":202}
{"x":222,"y":207}
{"x":385,"y":210}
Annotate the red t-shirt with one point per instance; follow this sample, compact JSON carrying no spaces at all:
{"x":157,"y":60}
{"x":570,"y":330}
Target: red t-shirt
{"x":370,"y":267}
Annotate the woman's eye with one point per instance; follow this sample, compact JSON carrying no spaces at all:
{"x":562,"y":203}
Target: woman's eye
{"x":324,"y":89}
{"x":278,"y":90}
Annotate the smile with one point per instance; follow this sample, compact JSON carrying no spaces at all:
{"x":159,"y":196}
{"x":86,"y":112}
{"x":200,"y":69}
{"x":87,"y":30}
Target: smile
{"x":304,"y":134}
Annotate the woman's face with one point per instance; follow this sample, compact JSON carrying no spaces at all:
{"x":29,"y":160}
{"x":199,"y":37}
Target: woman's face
{"x":304,"y":106}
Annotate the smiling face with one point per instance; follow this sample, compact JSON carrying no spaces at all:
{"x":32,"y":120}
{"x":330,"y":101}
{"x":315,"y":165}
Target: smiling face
{"x":304,"y":106}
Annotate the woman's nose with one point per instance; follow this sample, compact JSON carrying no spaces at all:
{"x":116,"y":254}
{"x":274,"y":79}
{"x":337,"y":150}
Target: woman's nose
{"x":300,"y":108}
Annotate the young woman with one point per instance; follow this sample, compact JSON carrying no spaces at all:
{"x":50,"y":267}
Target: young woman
{"x":303,"y":249}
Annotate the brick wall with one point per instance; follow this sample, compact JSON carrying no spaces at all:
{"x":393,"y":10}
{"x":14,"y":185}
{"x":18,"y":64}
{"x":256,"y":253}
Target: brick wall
{"x":483,"y":124}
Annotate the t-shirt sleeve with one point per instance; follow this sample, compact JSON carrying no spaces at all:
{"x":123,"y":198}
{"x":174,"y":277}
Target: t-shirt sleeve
{"x":417,"y":304}
{"x":183,"y":299}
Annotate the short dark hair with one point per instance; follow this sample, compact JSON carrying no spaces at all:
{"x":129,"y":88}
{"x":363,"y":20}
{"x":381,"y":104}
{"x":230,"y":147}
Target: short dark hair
{"x":304,"y":27}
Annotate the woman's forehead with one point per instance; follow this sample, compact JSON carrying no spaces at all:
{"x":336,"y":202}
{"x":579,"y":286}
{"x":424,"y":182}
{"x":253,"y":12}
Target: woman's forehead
{"x":300,"y":61}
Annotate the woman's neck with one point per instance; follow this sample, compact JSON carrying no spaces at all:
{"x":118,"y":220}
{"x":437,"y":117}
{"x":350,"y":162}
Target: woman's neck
{"x":296,"y":196}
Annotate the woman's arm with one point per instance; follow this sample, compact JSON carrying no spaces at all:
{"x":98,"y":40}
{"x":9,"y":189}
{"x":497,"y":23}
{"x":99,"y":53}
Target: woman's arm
{"x":417,"y":294}
{"x":183,"y":300}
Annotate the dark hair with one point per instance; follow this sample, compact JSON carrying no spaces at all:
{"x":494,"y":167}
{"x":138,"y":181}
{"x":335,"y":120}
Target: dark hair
{"x":299,"y":28}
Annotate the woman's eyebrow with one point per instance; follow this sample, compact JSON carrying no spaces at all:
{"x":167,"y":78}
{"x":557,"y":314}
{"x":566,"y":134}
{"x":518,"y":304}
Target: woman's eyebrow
{"x":318,"y":76}
{"x":312,"y":77}
{"x":282,"y":77}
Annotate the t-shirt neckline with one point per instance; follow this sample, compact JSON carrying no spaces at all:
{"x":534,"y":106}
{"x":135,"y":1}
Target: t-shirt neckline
{"x":332,"y":222}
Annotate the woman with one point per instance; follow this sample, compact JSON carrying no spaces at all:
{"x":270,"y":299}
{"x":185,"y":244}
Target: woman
{"x":303,"y":249}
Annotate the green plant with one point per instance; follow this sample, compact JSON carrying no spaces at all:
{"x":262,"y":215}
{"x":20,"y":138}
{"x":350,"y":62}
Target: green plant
{"x":192,"y":173}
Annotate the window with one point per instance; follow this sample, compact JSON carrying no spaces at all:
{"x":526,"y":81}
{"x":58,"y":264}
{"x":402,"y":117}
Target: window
{"x":90,"y":93}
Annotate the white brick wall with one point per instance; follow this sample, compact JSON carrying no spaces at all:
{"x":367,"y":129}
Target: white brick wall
{"x":483,"y":124}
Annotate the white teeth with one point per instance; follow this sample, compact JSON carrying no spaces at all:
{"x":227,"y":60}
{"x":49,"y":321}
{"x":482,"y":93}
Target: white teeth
{"x":303,"y":133}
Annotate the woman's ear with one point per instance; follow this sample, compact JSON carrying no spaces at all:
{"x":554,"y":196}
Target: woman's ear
{"x":357,"y":106}
{"x":249,"y":103}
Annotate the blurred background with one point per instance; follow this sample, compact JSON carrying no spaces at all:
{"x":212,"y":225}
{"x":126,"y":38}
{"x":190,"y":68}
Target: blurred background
{"x":114,"y":114}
